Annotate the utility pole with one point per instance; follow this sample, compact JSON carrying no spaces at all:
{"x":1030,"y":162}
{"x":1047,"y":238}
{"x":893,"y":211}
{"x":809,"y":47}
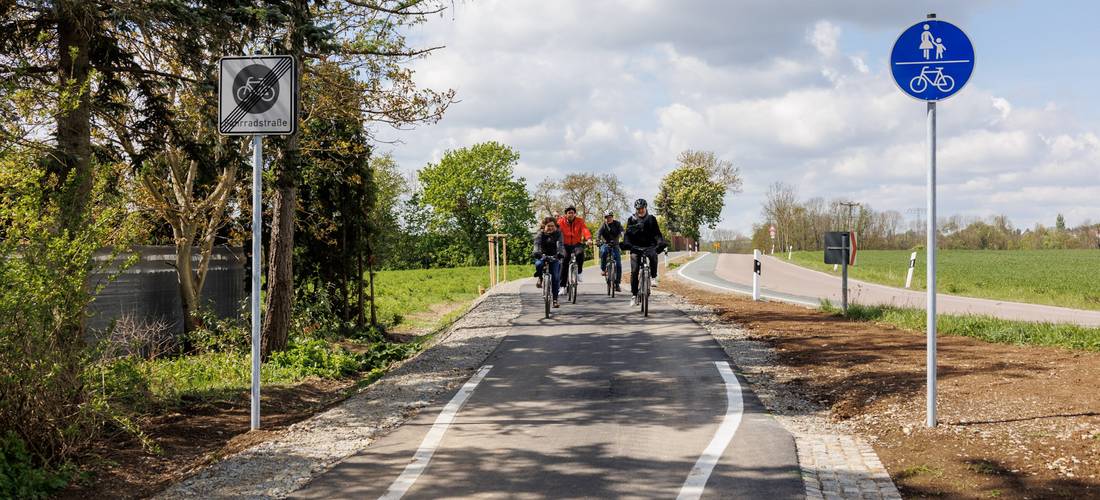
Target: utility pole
{"x":850,"y":205}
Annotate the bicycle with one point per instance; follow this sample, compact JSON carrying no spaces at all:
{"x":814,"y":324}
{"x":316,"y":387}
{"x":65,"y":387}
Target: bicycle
{"x":571,"y":282}
{"x":267,"y":94}
{"x":941,"y":81}
{"x":610,"y":269}
{"x":644,"y":281}
{"x":547,"y":284}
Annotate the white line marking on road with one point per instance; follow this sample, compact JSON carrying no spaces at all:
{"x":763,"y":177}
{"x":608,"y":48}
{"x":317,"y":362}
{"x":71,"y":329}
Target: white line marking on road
{"x":700,"y":474}
{"x":680,"y":273}
{"x":431,"y":441}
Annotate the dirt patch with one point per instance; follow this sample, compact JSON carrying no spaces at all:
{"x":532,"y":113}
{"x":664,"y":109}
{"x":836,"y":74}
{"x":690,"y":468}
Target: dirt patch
{"x":195,"y":435}
{"x":1016,"y":422}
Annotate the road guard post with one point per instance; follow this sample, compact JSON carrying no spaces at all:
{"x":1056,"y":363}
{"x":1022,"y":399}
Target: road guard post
{"x":756,"y":274}
{"x":912,"y":264}
{"x":257,"y":96}
{"x":931,"y":61}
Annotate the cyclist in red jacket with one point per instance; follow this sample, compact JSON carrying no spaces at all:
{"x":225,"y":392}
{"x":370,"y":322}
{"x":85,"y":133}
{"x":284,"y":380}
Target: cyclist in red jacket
{"x":574,"y":234}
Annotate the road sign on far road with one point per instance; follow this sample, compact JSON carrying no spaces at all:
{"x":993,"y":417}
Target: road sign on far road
{"x":257,"y":95}
{"x":932,"y":60}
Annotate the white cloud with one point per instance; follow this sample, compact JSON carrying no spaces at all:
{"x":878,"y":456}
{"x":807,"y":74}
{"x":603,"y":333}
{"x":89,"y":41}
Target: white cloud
{"x":824,"y":37}
{"x":777,"y":87}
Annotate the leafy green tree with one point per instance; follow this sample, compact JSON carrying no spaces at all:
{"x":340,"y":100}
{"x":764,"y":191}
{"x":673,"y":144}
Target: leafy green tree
{"x":365,"y":38}
{"x":474,"y":190}
{"x":692,"y":195}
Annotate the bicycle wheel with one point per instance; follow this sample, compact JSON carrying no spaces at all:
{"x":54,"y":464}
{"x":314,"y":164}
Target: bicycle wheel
{"x":547,"y":296}
{"x":918,"y":84}
{"x":573,"y":280}
{"x":946,"y":83}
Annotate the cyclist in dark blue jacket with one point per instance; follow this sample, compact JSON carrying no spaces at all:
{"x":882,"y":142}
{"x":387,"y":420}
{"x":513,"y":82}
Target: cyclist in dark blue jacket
{"x":608,"y":236}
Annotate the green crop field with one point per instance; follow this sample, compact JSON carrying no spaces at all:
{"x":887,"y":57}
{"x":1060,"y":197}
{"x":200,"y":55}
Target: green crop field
{"x":1068,"y":278}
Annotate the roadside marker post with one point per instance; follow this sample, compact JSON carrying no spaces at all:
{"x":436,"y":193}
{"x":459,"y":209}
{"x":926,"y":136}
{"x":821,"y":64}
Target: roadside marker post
{"x":756,"y":274}
{"x":931,"y":61}
{"x":257,"y":96}
{"x":912,"y":264}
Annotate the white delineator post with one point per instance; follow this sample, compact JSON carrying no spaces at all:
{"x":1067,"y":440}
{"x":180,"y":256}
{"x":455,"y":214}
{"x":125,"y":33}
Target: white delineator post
{"x":756,"y":275}
{"x":931,"y":265}
{"x":257,"y":248}
{"x":909,"y":275}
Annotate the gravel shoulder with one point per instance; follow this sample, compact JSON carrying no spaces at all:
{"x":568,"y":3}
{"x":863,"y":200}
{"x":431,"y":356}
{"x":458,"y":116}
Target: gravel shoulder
{"x":1016,"y":421}
{"x":834,"y":462}
{"x":287,"y":462}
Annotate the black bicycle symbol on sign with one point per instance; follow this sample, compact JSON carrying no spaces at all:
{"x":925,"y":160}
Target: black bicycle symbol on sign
{"x":254,"y":85}
{"x":934,"y":77}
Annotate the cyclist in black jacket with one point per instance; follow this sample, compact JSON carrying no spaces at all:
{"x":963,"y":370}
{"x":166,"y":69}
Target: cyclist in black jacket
{"x":608,"y":236}
{"x":549,"y":249}
{"x":643,"y":235}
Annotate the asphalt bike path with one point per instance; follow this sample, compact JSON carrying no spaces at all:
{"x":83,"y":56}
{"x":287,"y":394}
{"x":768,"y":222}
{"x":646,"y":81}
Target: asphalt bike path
{"x":788,"y":282}
{"x":595,"y":402}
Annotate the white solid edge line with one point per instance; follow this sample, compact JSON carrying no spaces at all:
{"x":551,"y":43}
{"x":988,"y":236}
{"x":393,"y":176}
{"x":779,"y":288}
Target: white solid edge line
{"x":680,"y":273}
{"x":431,"y":441}
{"x":697,"y":480}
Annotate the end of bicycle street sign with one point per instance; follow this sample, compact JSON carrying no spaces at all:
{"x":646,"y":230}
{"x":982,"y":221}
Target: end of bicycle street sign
{"x":257,"y":95}
{"x":932,"y":60}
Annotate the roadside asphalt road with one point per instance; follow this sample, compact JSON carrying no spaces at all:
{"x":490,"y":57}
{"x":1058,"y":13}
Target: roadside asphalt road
{"x":788,"y":282}
{"x":595,"y":402}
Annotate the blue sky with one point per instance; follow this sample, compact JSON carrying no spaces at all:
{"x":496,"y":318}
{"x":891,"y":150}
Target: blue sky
{"x":789,"y":90}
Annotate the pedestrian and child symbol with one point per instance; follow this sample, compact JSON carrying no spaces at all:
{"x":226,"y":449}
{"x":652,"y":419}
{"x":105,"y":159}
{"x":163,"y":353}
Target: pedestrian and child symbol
{"x":920,"y":63}
{"x":927,"y":43}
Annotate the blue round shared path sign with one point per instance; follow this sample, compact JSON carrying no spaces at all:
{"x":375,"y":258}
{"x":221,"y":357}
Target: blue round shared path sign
{"x":932,"y":60}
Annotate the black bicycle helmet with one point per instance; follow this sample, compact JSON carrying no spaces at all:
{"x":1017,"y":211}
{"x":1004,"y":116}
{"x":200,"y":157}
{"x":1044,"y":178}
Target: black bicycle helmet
{"x":640,"y":203}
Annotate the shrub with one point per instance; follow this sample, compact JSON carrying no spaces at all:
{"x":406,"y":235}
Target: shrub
{"x":21,"y":478}
{"x":313,"y":357}
{"x":220,"y":334}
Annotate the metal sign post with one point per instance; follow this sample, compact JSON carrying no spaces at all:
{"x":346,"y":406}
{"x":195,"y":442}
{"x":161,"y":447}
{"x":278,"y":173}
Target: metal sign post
{"x":931,"y":61}
{"x":257,"y":249}
{"x":840,"y":249}
{"x":257,"y":96}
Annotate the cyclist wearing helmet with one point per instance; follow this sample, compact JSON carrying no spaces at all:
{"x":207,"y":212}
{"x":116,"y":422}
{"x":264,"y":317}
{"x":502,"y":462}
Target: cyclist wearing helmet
{"x":608,"y":236}
{"x":643,"y":234}
{"x":549,"y":250}
{"x":574,"y":233}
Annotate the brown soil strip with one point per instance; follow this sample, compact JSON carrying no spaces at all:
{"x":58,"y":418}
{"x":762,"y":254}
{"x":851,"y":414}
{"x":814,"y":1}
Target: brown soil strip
{"x":197,"y":434}
{"x":1016,"y":422}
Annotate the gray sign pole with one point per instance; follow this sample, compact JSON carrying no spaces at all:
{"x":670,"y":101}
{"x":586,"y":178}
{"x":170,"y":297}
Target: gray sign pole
{"x":931,"y":260}
{"x":257,"y":234}
{"x":844,"y":279}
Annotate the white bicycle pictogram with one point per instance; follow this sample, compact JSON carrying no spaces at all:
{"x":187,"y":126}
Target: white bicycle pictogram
{"x":267,"y":93}
{"x":934,"y":77}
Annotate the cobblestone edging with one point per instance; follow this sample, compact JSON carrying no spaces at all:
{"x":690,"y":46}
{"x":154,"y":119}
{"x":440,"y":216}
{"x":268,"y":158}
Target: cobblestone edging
{"x":841,"y":466}
{"x":276,"y":468}
{"x":834,"y":463}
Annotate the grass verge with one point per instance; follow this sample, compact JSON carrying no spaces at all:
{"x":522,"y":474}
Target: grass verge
{"x":986,"y":328}
{"x":1065,"y":278}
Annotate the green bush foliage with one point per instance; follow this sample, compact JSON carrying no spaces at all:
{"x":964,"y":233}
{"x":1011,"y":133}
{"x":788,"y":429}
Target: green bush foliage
{"x":20,"y":477}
